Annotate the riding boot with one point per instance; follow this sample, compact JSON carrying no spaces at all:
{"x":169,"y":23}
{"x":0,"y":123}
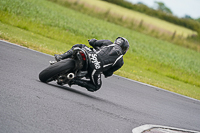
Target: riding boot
{"x":64,"y":56}
{"x":87,"y":84}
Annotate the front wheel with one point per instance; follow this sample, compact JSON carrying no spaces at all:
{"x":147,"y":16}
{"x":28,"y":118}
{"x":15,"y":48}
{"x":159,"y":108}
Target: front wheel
{"x":50,"y":72}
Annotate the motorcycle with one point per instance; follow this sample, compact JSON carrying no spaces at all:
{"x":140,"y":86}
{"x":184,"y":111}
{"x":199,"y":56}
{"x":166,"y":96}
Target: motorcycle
{"x":67,"y":69}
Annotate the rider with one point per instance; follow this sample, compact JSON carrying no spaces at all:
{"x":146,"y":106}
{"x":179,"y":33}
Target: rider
{"x":107,"y":58}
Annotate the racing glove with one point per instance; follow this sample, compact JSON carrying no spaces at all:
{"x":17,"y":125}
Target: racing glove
{"x":92,"y":42}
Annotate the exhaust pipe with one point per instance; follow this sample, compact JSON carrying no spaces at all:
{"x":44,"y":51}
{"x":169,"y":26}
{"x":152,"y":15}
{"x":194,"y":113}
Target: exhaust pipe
{"x":70,"y":75}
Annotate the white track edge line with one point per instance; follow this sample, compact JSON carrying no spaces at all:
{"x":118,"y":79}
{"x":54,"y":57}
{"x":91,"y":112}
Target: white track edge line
{"x":143,"y":128}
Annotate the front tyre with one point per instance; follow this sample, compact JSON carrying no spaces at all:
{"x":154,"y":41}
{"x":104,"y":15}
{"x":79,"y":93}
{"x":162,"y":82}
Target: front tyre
{"x":48,"y":74}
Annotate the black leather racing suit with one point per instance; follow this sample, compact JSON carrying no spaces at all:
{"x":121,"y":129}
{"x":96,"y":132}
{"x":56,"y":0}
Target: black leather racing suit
{"x":106,"y":58}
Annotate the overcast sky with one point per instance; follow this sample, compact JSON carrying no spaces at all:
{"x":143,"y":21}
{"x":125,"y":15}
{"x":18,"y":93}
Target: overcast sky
{"x":179,"y":8}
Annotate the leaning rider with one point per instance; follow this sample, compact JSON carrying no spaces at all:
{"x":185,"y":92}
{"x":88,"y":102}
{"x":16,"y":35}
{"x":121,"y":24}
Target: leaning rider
{"x":107,"y":58}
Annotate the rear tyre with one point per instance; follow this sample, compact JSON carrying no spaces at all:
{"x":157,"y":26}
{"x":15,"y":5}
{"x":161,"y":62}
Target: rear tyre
{"x":48,"y":74}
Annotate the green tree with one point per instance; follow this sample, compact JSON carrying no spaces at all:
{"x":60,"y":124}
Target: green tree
{"x":163,"y":8}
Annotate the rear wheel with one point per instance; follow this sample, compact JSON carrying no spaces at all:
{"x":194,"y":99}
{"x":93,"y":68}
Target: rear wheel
{"x":48,"y":74}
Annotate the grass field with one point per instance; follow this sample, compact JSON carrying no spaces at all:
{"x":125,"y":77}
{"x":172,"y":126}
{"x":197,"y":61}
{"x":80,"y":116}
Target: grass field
{"x":50,"y":28}
{"x":133,"y":24}
{"x":137,"y":16}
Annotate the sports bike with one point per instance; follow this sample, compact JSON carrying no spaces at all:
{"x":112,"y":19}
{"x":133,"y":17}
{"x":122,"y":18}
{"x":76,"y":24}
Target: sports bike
{"x":67,"y":69}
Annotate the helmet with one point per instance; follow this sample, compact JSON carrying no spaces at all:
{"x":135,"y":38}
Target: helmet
{"x":123,"y":43}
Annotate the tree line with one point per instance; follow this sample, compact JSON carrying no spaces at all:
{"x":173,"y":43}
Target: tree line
{"x":167,"y":16}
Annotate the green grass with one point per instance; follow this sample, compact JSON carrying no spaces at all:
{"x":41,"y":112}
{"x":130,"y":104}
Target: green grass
{"x":137,"y":16}
{"x":50,"y":28}
{"x":108,"y":14}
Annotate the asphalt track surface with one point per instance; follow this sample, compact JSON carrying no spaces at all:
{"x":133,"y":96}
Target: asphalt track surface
{"x":30,"y":106}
